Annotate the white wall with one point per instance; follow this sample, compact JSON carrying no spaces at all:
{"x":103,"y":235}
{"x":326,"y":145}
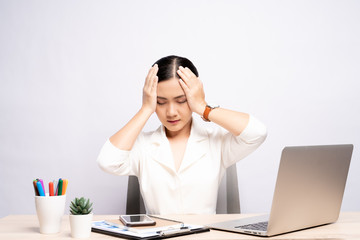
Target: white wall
{"x":72,"y":72}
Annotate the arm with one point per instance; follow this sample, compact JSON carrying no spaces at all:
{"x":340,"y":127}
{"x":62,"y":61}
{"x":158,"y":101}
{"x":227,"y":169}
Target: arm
{"x":125,"y":138}
{"x":235,"y":148}
{"x":234,"y":122}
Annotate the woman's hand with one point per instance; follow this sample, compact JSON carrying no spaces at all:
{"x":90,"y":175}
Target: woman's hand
{"x":150,"y":88}
{"x":193,"y":89}
{"x":125,"y":138}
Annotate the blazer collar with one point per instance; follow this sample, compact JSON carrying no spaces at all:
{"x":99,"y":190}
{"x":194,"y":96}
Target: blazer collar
{"x":197,"y":147}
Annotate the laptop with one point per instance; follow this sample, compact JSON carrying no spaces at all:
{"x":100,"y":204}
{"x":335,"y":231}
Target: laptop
{"x":309,"y":191}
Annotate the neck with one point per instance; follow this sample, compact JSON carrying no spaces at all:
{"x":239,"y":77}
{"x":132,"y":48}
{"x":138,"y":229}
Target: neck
{"x":182,"y":133}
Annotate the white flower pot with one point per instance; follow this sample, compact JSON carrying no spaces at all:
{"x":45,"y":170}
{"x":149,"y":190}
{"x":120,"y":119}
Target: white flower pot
{"x":80,"y":225}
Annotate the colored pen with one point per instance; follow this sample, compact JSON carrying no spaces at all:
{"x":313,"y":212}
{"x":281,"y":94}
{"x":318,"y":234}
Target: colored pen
{"x":55,"y":185}
{"x":60,"y":187}
{"x":65,"y":183}
{"x":42,"y":184}
{"x":51,"y":189}
{"x":40,"y":189}
{"x":35,"y":188}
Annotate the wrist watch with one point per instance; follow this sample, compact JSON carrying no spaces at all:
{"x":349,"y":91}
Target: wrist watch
{"x":208,"y":109}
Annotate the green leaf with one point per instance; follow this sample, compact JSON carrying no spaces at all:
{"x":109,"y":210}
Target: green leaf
{"x":73,"y":208}
{"x":82,"y":203}
{"x":90,"y":205}
{"x":87,"y":203}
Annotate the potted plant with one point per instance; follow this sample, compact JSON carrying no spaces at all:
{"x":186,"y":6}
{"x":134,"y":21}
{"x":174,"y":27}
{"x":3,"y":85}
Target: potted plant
{"x":80,"y":217}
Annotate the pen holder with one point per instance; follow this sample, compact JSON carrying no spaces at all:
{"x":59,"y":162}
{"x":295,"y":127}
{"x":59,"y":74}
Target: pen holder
{"x":50,"y":210}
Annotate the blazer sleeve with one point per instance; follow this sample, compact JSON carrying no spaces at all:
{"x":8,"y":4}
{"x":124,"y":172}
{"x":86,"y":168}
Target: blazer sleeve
{"x":235,"y":148}
{"x":120,"y":162}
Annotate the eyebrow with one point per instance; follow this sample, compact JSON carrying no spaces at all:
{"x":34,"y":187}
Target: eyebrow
{"x":163,"y":98}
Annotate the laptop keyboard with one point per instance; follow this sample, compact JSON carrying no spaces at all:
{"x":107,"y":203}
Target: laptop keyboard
{"x":261,"y":226}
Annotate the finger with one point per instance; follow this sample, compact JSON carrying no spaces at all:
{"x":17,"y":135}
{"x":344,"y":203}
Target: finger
{"x":152,"y":72}
{"x":154,"y":83}
{"x":183,"y":71}
{"x":147,"y":79}
{"x":182,"y":76}
{"x":155,"y":69}
{"x":184,"y":87}
{"x":187,"y":72}
{"x":154,"y":77}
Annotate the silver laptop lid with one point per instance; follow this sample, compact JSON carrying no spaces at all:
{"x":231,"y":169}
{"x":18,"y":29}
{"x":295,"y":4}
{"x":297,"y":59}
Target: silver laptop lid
{"x":309,"y":187}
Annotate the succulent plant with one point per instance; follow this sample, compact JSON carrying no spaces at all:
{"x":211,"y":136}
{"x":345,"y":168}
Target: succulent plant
{"x":81,"y":206}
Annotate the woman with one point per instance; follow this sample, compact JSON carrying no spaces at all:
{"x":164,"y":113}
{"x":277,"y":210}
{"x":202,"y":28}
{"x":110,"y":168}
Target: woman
{"x":180,"y":165}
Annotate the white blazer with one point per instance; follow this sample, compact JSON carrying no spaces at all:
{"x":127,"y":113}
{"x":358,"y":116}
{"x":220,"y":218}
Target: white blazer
{"x":193,"y":188}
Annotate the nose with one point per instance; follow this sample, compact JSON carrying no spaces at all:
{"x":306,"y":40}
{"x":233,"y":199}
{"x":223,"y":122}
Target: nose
{"x":171,"y":110}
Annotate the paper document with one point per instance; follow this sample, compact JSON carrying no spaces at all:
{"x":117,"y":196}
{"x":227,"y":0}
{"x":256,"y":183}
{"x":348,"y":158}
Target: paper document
{"x":162,"y":229}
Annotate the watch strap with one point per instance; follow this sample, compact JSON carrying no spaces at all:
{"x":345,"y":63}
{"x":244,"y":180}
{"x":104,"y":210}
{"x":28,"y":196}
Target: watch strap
{"x":206,"y":113}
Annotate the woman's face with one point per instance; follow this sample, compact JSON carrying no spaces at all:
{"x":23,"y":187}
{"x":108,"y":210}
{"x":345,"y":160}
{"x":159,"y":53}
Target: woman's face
{"x":172,"y":108}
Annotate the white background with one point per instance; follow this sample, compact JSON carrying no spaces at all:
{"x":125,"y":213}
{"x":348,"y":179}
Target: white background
{"x":72,"y":72}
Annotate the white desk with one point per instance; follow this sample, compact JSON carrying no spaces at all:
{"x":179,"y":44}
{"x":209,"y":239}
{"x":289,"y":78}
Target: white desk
{"x":27,"y":227}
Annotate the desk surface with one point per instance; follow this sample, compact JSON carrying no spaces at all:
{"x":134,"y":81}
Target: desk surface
{"x":27,"y":227}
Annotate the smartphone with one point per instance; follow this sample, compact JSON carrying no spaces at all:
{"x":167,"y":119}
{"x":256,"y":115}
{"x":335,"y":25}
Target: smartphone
{"x":137,"y":220}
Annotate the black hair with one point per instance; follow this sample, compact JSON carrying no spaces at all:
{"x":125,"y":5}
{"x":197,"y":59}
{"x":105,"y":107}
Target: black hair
{"x":170,"y":64}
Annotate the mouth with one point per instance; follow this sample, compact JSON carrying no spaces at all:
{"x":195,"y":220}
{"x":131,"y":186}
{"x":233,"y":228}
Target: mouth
{"x":173,"y":121}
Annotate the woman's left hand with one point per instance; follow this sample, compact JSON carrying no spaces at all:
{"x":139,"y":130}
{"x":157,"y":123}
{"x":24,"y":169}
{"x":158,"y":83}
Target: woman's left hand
{"x":193,"y":89}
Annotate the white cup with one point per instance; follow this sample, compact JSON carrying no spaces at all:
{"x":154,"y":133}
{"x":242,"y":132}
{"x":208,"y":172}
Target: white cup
{"x":50,"y":210}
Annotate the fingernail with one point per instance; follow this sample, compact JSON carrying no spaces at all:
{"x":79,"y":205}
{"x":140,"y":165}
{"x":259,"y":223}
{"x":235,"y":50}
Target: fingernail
{"x":181,"y":67}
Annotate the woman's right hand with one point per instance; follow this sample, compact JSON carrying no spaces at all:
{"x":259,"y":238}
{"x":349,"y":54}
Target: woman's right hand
{"x":125,"y":138}
{"x":150,"y":88}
